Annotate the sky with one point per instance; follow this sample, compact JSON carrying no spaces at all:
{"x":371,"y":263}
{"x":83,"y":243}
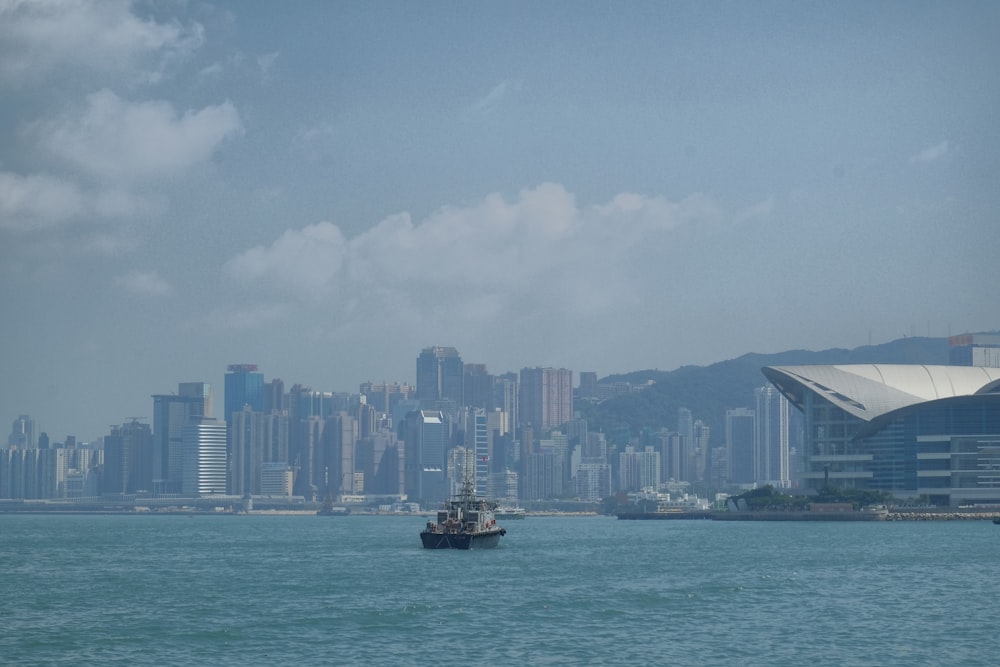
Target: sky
{"x":326,"y":188}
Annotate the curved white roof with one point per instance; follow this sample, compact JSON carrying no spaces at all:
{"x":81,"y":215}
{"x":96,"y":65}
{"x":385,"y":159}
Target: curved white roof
{"x":868,"y":391}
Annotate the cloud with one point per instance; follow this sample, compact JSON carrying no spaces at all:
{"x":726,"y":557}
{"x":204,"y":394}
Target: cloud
{"x":38,"y":37}
{"x":932,"y":153}
{"x":122,"y":140}
{"x":302,"y":261}
{"x":37,"y":201}
{"x":145,"y":283}
{"x":540,"y":252}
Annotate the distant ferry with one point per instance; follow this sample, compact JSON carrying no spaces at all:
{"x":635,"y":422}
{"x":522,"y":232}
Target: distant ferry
{"x":464,"y":522}
{"x":509,"y":512}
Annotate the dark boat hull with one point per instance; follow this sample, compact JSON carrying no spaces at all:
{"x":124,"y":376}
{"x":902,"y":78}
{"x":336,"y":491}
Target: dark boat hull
{"x":485,"y":540}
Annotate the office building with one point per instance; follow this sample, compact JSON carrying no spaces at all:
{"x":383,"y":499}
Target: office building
{"x":545,"y":397}
{"x":171,"y":413}
{"x":772,"y":438}
{"x":204,"y":461}
{"x":128,"y":459}
{"x":440,"y":376}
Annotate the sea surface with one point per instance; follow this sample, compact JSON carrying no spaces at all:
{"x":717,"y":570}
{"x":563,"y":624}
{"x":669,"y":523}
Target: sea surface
{"x":359,"y":590}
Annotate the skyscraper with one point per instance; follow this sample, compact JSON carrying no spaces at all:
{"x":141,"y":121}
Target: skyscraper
{"x":440,"y":376}
{"x":171,"y":413}
{"x":545,"y":397}
{"x":205,"y":463}
{"x":771,"y":447}
{"x":128,"y":459}
{"x":244,"y":386}
{"x":426,"y":435}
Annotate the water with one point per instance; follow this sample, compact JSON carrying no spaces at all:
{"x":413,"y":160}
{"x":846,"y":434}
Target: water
{"x":359,"y":590}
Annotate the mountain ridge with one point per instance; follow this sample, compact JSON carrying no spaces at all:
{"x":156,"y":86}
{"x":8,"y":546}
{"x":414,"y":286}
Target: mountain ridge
{"x":708,"y":391}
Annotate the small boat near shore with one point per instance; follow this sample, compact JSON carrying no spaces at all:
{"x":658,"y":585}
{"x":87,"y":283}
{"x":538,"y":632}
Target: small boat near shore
{"x":464,"y":522}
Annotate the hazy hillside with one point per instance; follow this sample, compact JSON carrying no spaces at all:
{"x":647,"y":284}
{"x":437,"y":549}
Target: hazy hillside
{"x":708,"y":391}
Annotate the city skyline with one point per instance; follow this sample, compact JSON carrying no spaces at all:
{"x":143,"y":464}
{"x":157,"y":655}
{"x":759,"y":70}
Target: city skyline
{"x":322,"y":189}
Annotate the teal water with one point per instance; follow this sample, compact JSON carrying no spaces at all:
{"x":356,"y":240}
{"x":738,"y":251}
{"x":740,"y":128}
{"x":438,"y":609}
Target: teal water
{"x":359,"y":590}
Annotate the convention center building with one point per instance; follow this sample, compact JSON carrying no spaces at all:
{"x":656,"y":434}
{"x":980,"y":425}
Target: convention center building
{"x":910,"y":430}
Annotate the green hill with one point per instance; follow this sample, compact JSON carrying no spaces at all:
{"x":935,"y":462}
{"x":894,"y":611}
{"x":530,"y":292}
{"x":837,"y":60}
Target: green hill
{"x":708,"y":391}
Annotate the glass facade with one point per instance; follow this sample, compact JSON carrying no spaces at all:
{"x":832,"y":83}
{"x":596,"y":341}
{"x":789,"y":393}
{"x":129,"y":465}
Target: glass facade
{"x":946,"y":450}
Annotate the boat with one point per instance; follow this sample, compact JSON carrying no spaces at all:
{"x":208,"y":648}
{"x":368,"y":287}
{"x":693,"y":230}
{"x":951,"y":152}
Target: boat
{"x":509,"y":512}
{"x":996,"y":519}
{"x":464,"y":522}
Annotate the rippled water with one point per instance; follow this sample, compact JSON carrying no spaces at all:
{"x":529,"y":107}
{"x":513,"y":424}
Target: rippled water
{"x":254,"y":590}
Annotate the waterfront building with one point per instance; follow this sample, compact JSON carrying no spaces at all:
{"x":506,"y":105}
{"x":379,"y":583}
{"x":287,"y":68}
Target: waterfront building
{"x":638,"y":470}
{"x":257,"y":438}
{"x":909,"y":430}
{"x":772,"y":438}
{"x":171,"y":413}
{"x":205,"y":461}
{"x":275,"y":479}
{"x":593,"y":481}
{"x":128,"y":459}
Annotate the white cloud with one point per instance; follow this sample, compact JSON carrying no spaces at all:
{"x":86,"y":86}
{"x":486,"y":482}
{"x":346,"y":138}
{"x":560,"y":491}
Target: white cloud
{"x":145,"y":283}
{"x":38,"y":37}
{"x":37,"y":201}
{"x":41,"y":201}
{"x":932,"y":153}
{"x":124,"y":141}
{"x":540,"y":252}
{"x":304,"y":262}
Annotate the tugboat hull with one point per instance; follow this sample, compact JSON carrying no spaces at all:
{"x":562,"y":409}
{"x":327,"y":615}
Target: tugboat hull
{"x":485,"y":540}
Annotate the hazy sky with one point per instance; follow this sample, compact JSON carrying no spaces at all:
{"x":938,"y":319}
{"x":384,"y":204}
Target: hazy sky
{"x":325,"y":188}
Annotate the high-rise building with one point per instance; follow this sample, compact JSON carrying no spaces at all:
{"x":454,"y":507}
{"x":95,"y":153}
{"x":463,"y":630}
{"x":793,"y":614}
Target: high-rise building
{"x":638,"y":470}
{"x":546,"y":397}
{"x":478,"y":387}
{"x":22,"y":433}
{"x":205,"y":462}
{"x":440,"y":376}
{"x":257,"y":438}
{"x":426,"y":435}
{"x":771,"y":448}
{"x":244,"y":386}
{"x":128,"y":459}
{"x":740,"y":436}
{"x":477,"y":440}
{"x":333,"y":468}
{"x":171,"y":413}
{"x":380,"y":458}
